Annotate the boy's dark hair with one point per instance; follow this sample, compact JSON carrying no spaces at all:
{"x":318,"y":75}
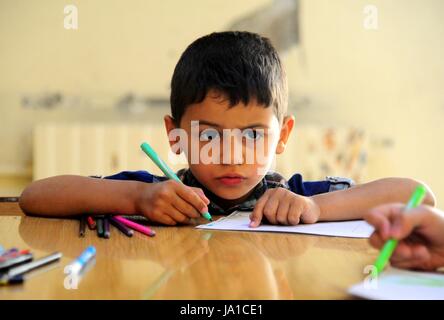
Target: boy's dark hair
{"x":239,"y":65}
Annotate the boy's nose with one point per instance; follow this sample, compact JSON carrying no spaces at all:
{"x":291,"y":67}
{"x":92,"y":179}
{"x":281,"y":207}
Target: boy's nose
{"x":233,"y":153}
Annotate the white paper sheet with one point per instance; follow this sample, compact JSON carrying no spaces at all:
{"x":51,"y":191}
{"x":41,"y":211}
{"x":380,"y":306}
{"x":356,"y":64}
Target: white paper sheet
{"x":239,"y":221}
{"x":397,"y":284}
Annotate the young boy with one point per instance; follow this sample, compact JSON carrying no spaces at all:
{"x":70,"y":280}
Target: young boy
{"x":224,"y":82}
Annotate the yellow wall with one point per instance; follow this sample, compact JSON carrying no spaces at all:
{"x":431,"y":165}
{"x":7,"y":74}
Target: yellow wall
{"x":120,"y":46}
{"x":387,"y":81}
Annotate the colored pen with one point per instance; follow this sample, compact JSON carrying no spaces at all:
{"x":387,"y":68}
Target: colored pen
{"x":1,"y":250}
{"x":137,"y":219}
{"x":99,"y":222}
{"x":9,"y":251}
{"x":124,"y":229}
{"x":142,"y":229}
{"x":5,"y":280}
{"x":13,"y":255}
{"x":165,"y":169}
{"x":390,"y":245}
{"x":91,"y":223}
{"x":82,"y":226}
{"x":15,"y":261}
{"x":22,"y":269}
{"x":82,"y":261}
{"x":106,"y":230}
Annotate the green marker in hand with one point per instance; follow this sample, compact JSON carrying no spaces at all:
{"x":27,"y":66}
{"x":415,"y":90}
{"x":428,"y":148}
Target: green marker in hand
{"x":390,"y":246}
{"x":165,"y":169}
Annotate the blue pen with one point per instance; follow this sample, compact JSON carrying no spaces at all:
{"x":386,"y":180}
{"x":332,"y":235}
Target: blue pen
{"x":165,"y":169}
{"x":82,"y":261}
{"x":1,"y":250}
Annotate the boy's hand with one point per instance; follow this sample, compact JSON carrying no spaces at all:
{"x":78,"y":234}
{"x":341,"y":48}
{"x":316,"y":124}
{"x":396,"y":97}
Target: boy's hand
{"x":420,"y":233}
{"x":170,"y":202}
{"x":282,"y":206}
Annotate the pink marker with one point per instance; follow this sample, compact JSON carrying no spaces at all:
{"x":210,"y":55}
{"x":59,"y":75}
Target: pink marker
{"x":135,"y":226}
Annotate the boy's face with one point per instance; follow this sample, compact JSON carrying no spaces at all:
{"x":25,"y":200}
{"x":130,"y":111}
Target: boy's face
{"x":229,"y":149}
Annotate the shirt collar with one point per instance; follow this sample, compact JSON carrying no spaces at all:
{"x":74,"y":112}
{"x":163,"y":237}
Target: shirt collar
{"x":271,"y":180}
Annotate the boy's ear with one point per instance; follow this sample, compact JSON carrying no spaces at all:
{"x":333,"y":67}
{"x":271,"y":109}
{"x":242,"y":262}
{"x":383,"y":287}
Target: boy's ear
{"x":287,"y":127}
{"x":169,"y":126}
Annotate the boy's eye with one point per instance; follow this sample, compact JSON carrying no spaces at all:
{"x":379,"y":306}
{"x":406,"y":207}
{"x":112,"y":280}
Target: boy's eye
{"x":253,"y":134}
{"x":209,"y":134}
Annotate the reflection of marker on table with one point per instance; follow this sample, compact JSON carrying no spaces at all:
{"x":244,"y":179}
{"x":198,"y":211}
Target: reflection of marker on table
{"x":166,"y":275}
{"x":207,"y":236}
{"x":159,"y":282}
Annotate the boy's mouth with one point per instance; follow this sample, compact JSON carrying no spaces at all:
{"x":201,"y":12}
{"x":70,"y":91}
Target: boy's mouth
{"x":231,"y":179}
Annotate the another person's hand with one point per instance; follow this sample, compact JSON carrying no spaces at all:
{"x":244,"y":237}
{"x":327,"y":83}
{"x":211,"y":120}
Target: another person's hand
{"x":282,"y":206}
{"x":420,"y":232}
{"x":170,"y":202}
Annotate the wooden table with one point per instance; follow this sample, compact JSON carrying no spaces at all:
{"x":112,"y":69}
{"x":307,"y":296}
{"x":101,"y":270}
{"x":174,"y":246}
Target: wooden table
{"x":182,"y":263}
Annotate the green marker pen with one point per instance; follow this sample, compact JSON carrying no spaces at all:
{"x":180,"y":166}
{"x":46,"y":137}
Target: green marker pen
{"x":390,"y":246}
{"x":165,"y":169}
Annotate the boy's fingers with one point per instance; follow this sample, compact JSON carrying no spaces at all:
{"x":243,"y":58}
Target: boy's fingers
{"x":403,"y":224}
{"x":188,"y":194}
{"x":397,"y":221}
{"x":282,"y":214}
{"x":176,"y":215}
{"x":404,"y":264}
{"x":410,"y":256}
{"x":256,"y":216}
{"x":376,"y":241}
{"x":420,"y":252}
{"x":270,"y":209}
{"x":380,"y":222}
{"x":163,"y":218}
{"x":201,"y":194}
{"x":415,"y":218}
{"x":381,"y":217}
{"x":418,"y":258}
{"x":294,"y":215}
{"x":185,"y":208}
{"x":308,"y":217}
{"x":402,"y":252}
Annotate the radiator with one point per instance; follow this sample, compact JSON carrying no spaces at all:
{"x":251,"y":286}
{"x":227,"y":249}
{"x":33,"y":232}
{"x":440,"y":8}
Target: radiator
{"x":96,"y":149}
{"x":103,"y":149}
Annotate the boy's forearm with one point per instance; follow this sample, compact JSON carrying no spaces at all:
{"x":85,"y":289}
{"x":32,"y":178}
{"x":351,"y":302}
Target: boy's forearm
{"x":72,"y":195}
{"x":353,"y":203}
